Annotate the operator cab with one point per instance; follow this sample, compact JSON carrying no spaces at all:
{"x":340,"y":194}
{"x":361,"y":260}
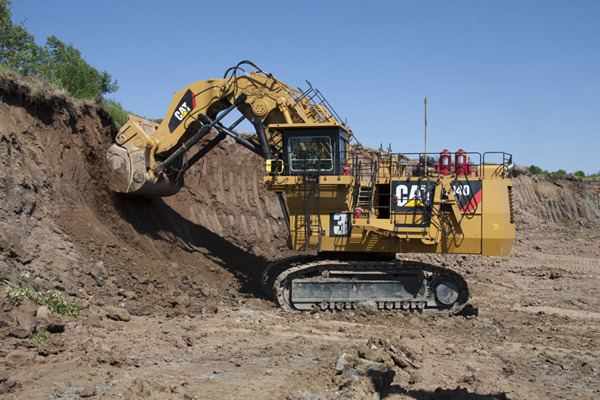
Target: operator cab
{"x":315,"y":151}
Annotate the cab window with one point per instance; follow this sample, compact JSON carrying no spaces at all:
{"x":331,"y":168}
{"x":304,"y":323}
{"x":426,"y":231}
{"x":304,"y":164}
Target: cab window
{"x":310,"y":153}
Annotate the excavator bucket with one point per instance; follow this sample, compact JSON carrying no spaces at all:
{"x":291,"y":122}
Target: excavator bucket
{"x":131,"y":159}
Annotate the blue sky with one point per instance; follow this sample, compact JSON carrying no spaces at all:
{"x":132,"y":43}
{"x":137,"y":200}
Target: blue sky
{"x":516,"y":76}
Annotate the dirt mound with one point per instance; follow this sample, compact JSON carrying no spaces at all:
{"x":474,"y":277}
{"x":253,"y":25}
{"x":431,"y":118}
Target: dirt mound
{"x":544,"y":201}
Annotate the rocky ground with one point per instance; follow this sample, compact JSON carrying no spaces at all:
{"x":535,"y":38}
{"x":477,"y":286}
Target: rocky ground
{"x":171,"y":306}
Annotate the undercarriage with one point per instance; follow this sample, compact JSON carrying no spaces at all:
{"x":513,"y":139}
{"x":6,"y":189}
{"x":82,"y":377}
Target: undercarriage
{"x":303,"y":283}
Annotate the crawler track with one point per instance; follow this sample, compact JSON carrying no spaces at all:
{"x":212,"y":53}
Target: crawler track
{"x":301,"y":283}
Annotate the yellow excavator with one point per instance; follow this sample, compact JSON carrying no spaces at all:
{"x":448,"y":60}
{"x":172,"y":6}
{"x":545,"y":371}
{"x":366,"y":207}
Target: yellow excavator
{"x":352,"y":210}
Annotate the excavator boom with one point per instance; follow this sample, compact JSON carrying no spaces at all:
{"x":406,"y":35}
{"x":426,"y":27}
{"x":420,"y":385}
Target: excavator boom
{"x":142,"y":145}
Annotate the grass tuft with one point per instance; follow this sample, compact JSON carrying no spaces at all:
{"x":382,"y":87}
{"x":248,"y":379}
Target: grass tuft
{"x":39,"y":338}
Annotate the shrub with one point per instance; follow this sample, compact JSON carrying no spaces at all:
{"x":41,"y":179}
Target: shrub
{"x":116,"y":111}
{"x":53,"y":299}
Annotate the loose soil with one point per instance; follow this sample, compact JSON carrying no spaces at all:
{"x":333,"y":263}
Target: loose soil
{"x":170,"y":299}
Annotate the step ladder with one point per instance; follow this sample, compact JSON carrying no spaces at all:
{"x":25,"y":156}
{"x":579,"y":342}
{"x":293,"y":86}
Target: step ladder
{"x":311,"y":209}
{"x":364,"y":194}
{"x":365,"y":198}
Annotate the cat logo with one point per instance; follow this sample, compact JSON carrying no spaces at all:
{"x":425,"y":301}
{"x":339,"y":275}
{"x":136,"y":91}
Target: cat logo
{"x":182,"y":112}
{"x":411,"y":195}
{"x":408,"y":197}
{"x":185,"y":106}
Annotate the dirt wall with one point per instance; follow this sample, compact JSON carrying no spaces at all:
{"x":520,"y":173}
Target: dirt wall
{"x":566,"y":201}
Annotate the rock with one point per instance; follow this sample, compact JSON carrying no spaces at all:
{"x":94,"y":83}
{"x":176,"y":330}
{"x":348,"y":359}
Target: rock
{"x":26,"y":320}
{"x":28,"y":344}
{"x":6,"y":305}
{"x":351,"y":376}
{"x":344,"y":363}
{"x":137,"y":309}
{"x":183,"y":300}
{"x":212,"y":309}
{"x":53,"y":324}
{"x":10,"y":387}
{"x":83,"y":304}
{"x":369,"y":306}
{"x":20,"y":332}
{"x":365,"y":352}
{"x":235,"y":361}
{"x":88,"y":392}
{"x":43,"y":312}
{"x":402,"y":356}
{"x":205,"y":290}
{"x":144,"y":389}
{"x":377,"y":367}
{"x":133,"y":361}
{"x":188,"y":339}
{"x":415,"y":378}
{"x":116,"y":358}
{"x":98,"y":272}
{"x":19,"y":358}
{"x":51,"y":346}
{"x":117,"y":313}
{"x":3,"y":376}
{"x":400,"y":361}
{"x":171,"y":300}
{"x":93,"y":322}
{"x":103,"y":357}
{"x":56,"y":324}
{"x":130,"y":295}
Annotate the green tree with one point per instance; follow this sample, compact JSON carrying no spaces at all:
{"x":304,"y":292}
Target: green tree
{"x":17,"y":47}
{"x":63,"y":65}
{"x":580,"y":174}
{"x":560,"y":172}
{"x":55,"y":62}
{"x":535,"y":170}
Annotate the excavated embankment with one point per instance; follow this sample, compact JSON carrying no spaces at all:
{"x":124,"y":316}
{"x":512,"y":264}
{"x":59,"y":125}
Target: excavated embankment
{"x":566,"y":201}
{"x":60,"y":222}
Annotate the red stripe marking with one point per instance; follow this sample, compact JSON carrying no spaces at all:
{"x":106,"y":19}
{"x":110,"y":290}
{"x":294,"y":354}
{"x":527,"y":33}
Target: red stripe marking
{"x":193,"y":100}
{"x":471,"y":205}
